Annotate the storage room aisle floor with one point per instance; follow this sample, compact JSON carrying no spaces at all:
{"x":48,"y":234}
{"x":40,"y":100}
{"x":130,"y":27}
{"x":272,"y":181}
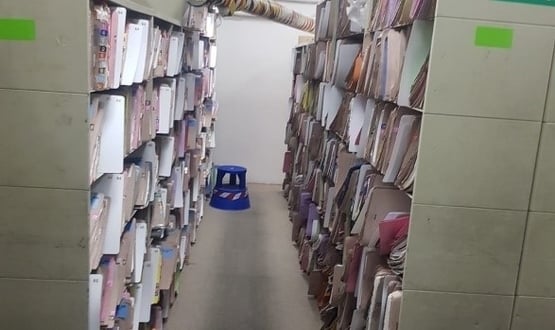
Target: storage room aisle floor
{"x":243,"y":272}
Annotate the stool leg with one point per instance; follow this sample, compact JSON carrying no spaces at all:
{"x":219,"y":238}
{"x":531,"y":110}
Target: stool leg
{"x":233,"y":179}
{"x":242,"y":180}
{"x":220,"y":179}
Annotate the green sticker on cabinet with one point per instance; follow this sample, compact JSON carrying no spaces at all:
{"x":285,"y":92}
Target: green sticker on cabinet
{"x":17,"y":29}
{"x":488,"y":36}
{"x":533,"y":2}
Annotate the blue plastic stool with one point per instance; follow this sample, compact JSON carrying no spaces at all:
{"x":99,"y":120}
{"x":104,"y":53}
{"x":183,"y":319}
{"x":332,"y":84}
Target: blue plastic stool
{"x":232,"y":195}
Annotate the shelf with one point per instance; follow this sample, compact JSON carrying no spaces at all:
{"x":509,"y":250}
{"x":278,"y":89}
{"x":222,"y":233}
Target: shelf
{"x":146,"y":7}
{"x":135,"y":5}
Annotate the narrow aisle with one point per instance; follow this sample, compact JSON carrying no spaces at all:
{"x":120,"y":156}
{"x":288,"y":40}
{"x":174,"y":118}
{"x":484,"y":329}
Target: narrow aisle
{"x":243,"y":272}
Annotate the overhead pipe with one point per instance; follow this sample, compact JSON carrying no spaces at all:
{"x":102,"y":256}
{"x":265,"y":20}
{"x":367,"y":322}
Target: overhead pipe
{"x":271,"y":10}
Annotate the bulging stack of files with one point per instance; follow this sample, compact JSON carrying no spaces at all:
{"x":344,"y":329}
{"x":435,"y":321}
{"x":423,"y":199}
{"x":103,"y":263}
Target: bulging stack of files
{"x":399,"y":13}
{"x":124,"y":52}
{"x":418,"y":89}
{"x":98,"y":213}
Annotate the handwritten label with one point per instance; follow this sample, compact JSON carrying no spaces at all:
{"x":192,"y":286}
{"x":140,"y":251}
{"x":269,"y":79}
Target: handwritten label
{"x":17,"y":29}
{"x":493,"y":37}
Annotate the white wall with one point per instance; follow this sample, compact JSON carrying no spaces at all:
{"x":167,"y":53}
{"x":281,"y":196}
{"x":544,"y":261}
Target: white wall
{"x":253,"y":85}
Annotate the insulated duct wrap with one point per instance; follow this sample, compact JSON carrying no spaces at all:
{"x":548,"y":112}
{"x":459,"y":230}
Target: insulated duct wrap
{"x":271,"y":10}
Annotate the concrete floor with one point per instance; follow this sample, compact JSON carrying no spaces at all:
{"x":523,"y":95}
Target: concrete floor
{"x":243,"y":272}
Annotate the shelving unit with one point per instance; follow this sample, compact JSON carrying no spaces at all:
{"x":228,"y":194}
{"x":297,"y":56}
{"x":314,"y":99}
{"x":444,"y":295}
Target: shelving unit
{"x":103,"y":191}
{"x":457,"y":239}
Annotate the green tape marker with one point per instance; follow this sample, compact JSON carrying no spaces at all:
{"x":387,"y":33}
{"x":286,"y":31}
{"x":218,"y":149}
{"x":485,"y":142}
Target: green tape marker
{"x":487,"y":36}
{"x":533,"y":2}
{"x":17,"y":29}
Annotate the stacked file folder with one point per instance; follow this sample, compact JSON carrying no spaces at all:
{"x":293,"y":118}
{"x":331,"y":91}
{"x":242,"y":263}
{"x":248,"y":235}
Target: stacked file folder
{"x":352,"y":145}
{"x":124,"y":53}
{"x":151,"y":129}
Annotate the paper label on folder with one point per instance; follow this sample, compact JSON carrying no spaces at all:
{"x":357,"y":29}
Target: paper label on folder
{"x":494,"y":37}
{"x":533,"y":2}
{"x":17,"y":29}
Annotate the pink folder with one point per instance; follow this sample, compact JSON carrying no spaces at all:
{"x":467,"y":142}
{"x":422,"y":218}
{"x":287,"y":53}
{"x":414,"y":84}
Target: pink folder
{"x":382,"y":201}
{"x":390,"y":231}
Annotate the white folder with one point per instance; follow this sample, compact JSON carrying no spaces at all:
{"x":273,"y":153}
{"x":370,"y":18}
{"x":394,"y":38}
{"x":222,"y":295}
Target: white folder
{"x":173,"y":86}
{"x":95,"y":300}
{"x":167,"y":148}
{"x":140,"y":251}
{"x":112,"y":138}
{"x":112,"y":186}
{"x":182,"y":250}
{"x":345,"y":56}
{"x":198,"y":55}
{"x":173,"y":54}
{"x":178,"y":201}
{"x":299,"y":85}
{"x":180,"y":98}
{"x":210,"y":29}
{"x":356,"y":120}
{"x":213,"y":55}
{"x":141,"y":63}
{"x":365,"y":132}
{"x":150,"y":156}
{"x":196,"y":188}
{"x":153,"y":36}
{"x":132,"y":53}
{"x":157,"y":41}
{"x":148,"y":290}
{"x":180,"y":46}
{"x":332,"y":100}
{"x":190,"y":84}
{"x":118,"y":35}
{"x":137,"y":291}
{"x":320,"y":101}
{"x":165,"y":106}
{"x":186,"y":207}
{"x":325,"y":18}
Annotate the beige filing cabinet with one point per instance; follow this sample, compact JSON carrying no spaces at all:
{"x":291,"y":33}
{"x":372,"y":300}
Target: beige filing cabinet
{"x":481,"y":249}
{"x":44,"y":184}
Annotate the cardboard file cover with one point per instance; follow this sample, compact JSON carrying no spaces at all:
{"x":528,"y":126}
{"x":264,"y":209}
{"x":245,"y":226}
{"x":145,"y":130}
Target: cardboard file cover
{"x":132,"y":53}
{"x":382,"y":201}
